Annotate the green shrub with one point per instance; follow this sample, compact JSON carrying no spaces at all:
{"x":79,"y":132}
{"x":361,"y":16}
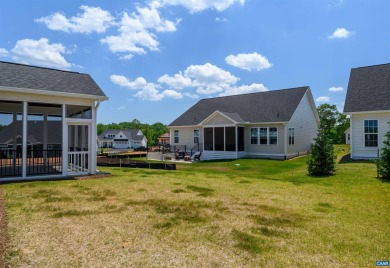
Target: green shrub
{"x":322,"y":158}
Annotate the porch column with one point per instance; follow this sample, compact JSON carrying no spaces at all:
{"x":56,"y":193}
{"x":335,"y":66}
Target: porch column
{"x":64,"y":142}
{"x":93,"y":142}
{"x":351,"y":136}
{"x":24,"y":141}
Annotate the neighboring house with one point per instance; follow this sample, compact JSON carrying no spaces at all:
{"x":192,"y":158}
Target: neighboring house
{"x":277,"y":124}
{"x":50,"y":118}
{"x":347,"y":136}
{"x":368,"y":105}
{"x":164,"y":139}
{"x":122,"y":139}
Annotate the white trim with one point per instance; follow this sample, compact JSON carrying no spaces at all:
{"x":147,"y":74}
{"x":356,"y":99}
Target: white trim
{"x":367,"y":112}
{"x":220,"y":113}
{"x":52,"y":93}
{"x":64,"y":143}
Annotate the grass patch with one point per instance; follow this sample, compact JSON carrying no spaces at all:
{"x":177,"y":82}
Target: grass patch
{"x":201,"y":190}
{"x":248,"y":242}
{"x":258,"y":212}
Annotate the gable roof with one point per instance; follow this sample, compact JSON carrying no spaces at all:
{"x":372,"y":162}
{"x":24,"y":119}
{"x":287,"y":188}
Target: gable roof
{"x":26,"y":77}
{"x":368,"y":89}
{"x":268,"y":106}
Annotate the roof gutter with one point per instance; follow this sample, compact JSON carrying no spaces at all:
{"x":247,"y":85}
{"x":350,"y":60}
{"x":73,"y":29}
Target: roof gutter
{"x":52,"y":93}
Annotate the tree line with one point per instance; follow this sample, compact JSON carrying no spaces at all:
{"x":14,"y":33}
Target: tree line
{"x":152,"y":132}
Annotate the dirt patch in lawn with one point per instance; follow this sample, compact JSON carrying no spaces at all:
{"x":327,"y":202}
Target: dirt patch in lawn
{"x":3,"y":230}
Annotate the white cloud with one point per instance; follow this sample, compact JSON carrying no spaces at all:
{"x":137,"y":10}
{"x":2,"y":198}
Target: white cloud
{"x":94,"y":19}
{"x":323,"y":99}
{"x":40,"y":52}
{"x":172,"y":94}
{"x":199,"y":5}
{"x":208,"y":74}
{"x":335,"y":89}
{"x":178,"y":81}
{"x":340,"y":33}
{"x":3,"y":52}
{"x":149,"y":92}
{"x":192,"y":96}
{"x":122,"y":81}
{"x":252,"y":61}
{"x":244,"y":89}
{"x":121,"y":107}
{"x":137,"y":31}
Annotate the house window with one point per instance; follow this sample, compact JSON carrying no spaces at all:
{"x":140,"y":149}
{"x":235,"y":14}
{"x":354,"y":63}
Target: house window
{"x":241,"y":139}
{"x":291,"y":136}
{"x":196,"y":136}
{"x":273,"y":135}
{"x":209,"y":139}
{"x":176,"y":136}
{"x":254,"y":135}
{"x":371,"y":133}
{"x":263,"y":135}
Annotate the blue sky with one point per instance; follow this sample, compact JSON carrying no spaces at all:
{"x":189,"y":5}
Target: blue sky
{"x":155,"y":59}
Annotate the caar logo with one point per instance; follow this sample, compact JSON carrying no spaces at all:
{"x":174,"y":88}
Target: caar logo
{"x":382,"y":263}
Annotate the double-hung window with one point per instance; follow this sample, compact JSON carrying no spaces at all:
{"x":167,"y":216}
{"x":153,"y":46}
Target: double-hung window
{"x":371,"y":133}
{"x":291,"y":136}
{"x":176,"y":136}
{"x":273,"y":135}
{"x":196,"y":136}
{"x":254,"y":135}
{"x":263,"y":135}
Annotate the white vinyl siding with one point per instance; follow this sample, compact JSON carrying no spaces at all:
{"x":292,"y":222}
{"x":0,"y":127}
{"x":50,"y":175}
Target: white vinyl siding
{"x":305,"y":128}
{"x":358,"y":148}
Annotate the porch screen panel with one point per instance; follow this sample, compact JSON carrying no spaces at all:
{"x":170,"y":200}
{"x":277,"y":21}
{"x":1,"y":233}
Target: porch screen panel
{"x":241,"y":139}
{"x":230,"y":136}
{"x":44,"y":139}
{"x":78,"y":111}
{"x":11,"y":136}
{"x":219,"y":139}
{"x":208,"y":139}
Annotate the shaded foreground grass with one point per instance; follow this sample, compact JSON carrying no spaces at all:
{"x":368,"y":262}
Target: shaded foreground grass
{"x":211,"y":214}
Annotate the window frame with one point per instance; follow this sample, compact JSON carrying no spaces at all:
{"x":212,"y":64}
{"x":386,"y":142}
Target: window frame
{"x":196,"y":137}
{"x":269,"y":136}
{"x":291,"y":136}
{"x":176,"y":136}
{"x":371,"y":133}
{"x":254,"y":137}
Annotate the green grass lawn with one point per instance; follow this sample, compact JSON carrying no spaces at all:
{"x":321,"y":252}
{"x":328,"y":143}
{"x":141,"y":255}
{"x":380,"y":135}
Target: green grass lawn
{"x":247,"y":212}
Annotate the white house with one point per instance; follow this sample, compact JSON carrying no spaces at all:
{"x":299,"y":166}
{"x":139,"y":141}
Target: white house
{"x":277,"y":124}
{"x":368,"y":105}
{"x":122,"y":139}
{"x":48,"y":122}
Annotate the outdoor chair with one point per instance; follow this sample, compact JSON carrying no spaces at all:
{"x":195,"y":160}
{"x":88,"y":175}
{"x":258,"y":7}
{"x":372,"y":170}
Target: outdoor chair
{"x":197,"y":156}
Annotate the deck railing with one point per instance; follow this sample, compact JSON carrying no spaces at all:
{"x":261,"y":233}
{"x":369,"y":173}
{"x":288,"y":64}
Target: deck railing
{"x":78,"y":162}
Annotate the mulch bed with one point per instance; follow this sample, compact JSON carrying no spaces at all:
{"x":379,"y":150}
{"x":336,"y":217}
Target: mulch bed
{"x":3,"y":230}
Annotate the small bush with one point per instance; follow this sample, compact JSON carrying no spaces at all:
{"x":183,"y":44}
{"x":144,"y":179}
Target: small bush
{"x":383,"y":161}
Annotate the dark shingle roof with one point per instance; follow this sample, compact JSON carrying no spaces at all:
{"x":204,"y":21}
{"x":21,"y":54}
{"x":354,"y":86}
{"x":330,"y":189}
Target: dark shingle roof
{"x":14,"y":75}
{"x":269,"y":106}
{"x":368,"y":89}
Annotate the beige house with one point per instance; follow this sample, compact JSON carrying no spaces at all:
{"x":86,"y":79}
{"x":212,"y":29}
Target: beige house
{"x":48,"y":122}
{"x":368,"y":105}
{"x":277,"y":124}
